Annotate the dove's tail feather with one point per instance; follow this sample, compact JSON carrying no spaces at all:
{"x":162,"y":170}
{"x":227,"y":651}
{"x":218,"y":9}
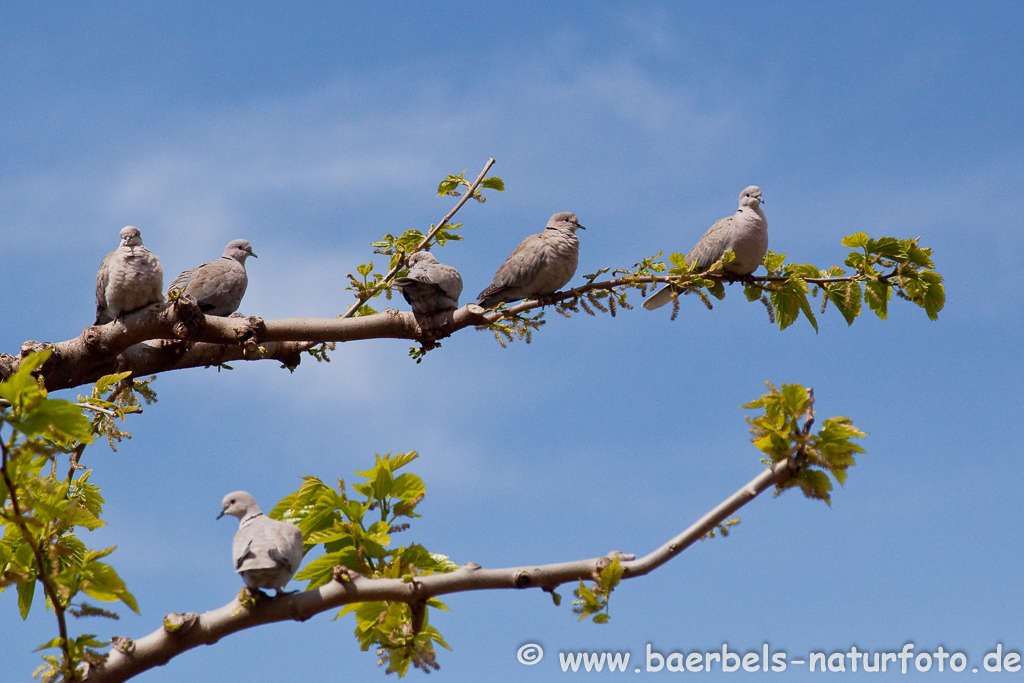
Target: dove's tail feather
{"x":659,"y":298}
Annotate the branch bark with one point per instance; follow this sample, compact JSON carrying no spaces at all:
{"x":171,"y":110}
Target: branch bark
{"x":182,"y":632}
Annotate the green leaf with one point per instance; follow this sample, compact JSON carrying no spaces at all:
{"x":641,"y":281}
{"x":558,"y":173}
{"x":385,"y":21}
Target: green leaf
{"x":611,"y":575}
{"x":400,"y":460}
{"x":717,"y":289}
{"x":678,"y":260}
{"x":493,"y":183}
{"x":101,"y":582}
{"x":772,"y":261}
{"x":89,"y":640}
{"x":847,"y":298}
{"x":383,"y":483}
{"x":408,"y":486}
{"x":877,"y":296}
{"x":927,"y":290}
{"x":21,"y":387}
{"x":56,"y":642}
{"x":62,"y":416}
{"x":320,"y":571}
{"x":856,"y":240}
{"x":26,"y":591}
{"x":888,"y":247}
{"x":794,"y":397}
{"x":790,"y":300}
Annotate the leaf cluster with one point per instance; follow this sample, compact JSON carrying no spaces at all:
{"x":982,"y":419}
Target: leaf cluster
{"x":356,"y":537}
{"x":784,"y":432}
{"x":450,"y":185}
{"x":881,"y":268}
{"x":594,"y":601}
{"x":41,"y":512}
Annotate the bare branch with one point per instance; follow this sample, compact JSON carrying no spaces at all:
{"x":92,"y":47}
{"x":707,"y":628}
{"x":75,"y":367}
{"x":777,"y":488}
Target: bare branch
{"x":183,"y":632}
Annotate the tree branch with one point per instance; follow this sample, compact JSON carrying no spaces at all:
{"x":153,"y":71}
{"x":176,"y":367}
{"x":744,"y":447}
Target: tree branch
{"x":182,"y":632}
{"x":191,"y":339}
{"x":424,"y":242}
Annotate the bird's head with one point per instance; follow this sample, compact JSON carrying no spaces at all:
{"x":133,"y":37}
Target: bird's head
{"x":131,"y":237}
{"x":238,"y":504}
{"x":421,"y":257}
{"x":239,"y":250}
{"x":565,"y":220}
{"x":751,"y":196}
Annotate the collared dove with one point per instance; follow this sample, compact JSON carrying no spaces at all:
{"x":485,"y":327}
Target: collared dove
{"x":129,"y":278}
{"x":430,"y":287}
{"x":745,"y":233}
{"x":265,"y":552}
{"x":541,"y":264}
{"x":218,"y":285}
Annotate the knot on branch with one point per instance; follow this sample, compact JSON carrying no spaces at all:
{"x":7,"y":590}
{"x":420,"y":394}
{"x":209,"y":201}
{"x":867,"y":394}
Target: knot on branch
{"x":180,"y":623}
{"x":188,"y":317}
{"x":93,"y":337}
{"x":123,"y":644}
{"x":523,"y":580}
{"x":251,"y":334}
{"x":470,"y":566}
{"x":7,"y":365}
{"x":290,"y":354}
{"x":342,"y":574}
{"x":31,"y":346}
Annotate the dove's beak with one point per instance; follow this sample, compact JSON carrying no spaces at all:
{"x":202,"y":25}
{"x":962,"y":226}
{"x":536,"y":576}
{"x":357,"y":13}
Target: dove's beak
{"x":221,"y":514}
{"x":253,"y":254}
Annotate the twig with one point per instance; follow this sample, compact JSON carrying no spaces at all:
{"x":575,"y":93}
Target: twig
{"x":97,"y":409}
{"x":426,"y":240}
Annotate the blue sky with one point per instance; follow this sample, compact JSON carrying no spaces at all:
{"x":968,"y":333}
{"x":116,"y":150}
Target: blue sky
{"x":311,"y":131}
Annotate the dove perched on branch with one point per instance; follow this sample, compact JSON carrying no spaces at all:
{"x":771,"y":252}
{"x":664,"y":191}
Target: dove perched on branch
{"x":745,"y":233}
{"x":266,"y":552}
{"x":541,"y":264}
{"x":430,"y":287}
{"x":129,"y":278}
{"x":218,"y":286}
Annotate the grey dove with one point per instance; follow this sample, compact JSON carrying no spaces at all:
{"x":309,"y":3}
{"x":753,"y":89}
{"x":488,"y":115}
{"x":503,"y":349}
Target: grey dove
{"x":218,"y":285}
{"x":745,"y":233}
{"x":129,"y":278}
{"x":541,"y":264}
{"x":266,"y":552}
{"x":430,"y":287}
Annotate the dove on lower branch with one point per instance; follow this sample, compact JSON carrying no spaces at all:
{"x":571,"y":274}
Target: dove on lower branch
{"x":218,"y":286}
{"x":541,"y":264}
{"x":266,"y":552}
{"x":430,"y":287}
{"x":745,"y":233}
{"x":129,"y":278}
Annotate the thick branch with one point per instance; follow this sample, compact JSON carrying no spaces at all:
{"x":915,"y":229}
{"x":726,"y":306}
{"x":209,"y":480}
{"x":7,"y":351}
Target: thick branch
{"x":129,"y":658}
{"x":194,"y":340}
{"x":136,"y":346}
